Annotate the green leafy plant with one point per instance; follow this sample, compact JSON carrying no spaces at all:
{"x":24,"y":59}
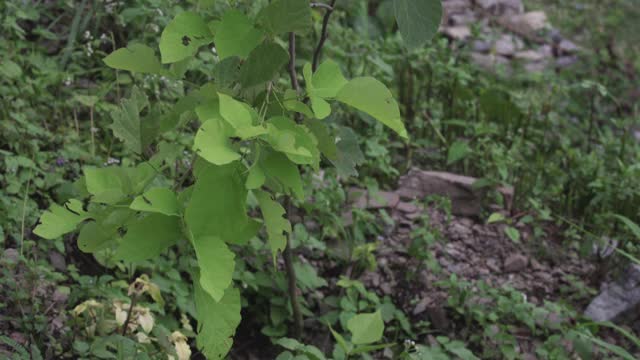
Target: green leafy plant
{"x":255,"y":136}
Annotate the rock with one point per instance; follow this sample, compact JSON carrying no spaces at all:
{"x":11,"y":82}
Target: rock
{"x":507,"y":45}
{"x":491,"y":62}
{"x":566,"y":47}
{"x":455,"y":7}
{"x":465,"y":201}
{"x":481,"y":46}
{"x":438,"y":317}
{"x":457,"y":32}
{"x":463,"y":19}
{"x":527,"y":24}
{"x":421,"y":306}
{"x":501,"y":7}
{"x":381,"y":199}
{"x":531,"y":55}
{"x":566,"y":61}
{"x":407,"y":207}
{"x":618,"y":300}
{"x":10,"y":256}
{"x":515,"y":263}
{"x":57,"y":261}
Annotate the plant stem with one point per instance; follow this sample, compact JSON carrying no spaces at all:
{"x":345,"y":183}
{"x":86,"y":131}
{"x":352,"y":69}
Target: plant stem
{"x":134,"y":297}
{"x":323,"y":36}
{"x":292,"y":62}
{"x":293,"y":291}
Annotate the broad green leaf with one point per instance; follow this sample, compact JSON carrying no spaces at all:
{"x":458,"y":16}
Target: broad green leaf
{"x":418,"y":20}
{"x":148,"y":237}
{"x":348,"y":154}
{"x":277,"y":225}
{"x":281,"y":171}
{"x":108,"y":185}
{"x":126,"y":120}
{"x":217,"y":321}
{"x":59,"y":220}
{"x":320,"y":106}
{"x":239,"y":116}
{"x":372,"y":97}
{"x":326,"y":140}
{"x":285,"y":16}
{"x":256,"y":177}
{"x":135,"y":57}
{"x":236,"y":35}
{"x":295,"y":140}
{"x":263,"y":64}
{"x":366,"y":328}
{"x":104,"y":229}
{"x":292,"y":103}
{"x":217,"y":207}
{"x":157,"y":200}
{"x":226,"y":72}
{"x":213,"y":144}
{"x":183,"y":37}
{"x":216,"y":263}
{"x":458,"y":151}
{"x":327,"y":81}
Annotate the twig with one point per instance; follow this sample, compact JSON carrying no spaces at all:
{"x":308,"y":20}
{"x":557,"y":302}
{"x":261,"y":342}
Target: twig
{"x":292,"y":62}
{"x":321,"y":5}
{"x":134,"y":297}
{"x":293,"y":291}
{"x":324,"y":34}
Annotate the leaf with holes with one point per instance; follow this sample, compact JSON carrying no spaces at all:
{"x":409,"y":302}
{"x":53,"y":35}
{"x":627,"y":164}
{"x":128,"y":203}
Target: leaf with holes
{"x":59,"y":220}
{"x":157,"y":200}
{"x":182,"y":38}
{"x":148,"y":237}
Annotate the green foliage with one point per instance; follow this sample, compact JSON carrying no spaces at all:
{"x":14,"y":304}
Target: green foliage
{"x":366,"y":328}
{"x":418,"y":20}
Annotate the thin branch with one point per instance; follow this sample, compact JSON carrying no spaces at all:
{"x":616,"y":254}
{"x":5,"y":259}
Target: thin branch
{"x":293,"y":291}
{"x":321,"y":5}
{"x":324,"y":34}
{"x":292,"y":62}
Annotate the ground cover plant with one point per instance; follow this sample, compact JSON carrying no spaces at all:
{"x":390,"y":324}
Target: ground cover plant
{"x":254,"y":179}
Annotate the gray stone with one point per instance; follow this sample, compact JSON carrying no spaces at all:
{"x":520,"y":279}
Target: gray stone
{"x":501,"y":7}
{"x":57,"y":261}
{"x":507,"y":45}
{"x":566,"y":61}
{"x":457,"y":32}
{"x":455,"y":7}
{"x":491,"y":62}
{"x":618,"y":300}
{"x":527,"y":24}
{"x":515,"y":263}
{"x":376,"y":200}
{"x":465,"y":200}
{"x":481,"y":46}
{"x":566,"y":47}
{"x":463,"y":19}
